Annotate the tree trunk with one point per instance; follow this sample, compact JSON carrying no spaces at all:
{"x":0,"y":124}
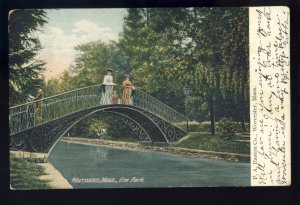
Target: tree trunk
{"x":212,"y":114}
{"x":243,"y":120}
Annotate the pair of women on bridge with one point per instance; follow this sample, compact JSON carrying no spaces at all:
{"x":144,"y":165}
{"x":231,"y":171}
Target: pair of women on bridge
{"x":109,"y":95}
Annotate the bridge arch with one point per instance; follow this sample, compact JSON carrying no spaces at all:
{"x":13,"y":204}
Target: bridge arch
{"x":110,"y":113}
{"x":44,"y":137}
{"x":63,"y":111}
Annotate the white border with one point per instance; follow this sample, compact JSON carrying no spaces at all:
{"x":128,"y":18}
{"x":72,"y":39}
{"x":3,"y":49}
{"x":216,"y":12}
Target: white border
{"x":269,"y":59}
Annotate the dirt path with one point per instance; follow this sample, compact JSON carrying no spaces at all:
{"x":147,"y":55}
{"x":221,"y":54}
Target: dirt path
{"x":56,"y":180}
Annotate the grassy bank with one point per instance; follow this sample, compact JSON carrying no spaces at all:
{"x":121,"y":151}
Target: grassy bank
{"x":208,"y":142}
{"x":25,"y":175}
{"x":205,"y":126}
{"x":196,"y":140}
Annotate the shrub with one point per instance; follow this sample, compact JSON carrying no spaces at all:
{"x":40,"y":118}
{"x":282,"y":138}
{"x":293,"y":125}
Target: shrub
{"x":226,"y":127}
{"x":95,"y":127}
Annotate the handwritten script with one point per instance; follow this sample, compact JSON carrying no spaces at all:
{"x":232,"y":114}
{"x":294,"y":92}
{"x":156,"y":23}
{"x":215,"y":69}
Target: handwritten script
{"x":270,"y":95}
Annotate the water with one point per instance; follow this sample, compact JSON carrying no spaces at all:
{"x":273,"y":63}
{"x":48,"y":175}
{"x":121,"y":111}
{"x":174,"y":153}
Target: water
{"x":87,"y":166}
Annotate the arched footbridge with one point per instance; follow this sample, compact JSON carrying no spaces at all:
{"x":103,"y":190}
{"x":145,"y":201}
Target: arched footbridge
{"x":150,"y":119}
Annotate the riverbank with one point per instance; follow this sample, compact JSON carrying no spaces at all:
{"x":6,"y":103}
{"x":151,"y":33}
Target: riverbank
{"x":32,"y":171}
{"x":176,"y":150}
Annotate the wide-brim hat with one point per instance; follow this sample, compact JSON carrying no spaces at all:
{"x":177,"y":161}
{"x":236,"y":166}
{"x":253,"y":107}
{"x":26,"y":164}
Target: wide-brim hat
{"x":127,"y":75}
{"x":110,"y":69}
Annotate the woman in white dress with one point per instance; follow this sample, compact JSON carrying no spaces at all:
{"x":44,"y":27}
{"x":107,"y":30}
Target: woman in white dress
{"x":108,"y":87}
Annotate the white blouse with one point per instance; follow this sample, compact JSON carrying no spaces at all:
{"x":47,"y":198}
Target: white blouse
{"x":108,"y":80}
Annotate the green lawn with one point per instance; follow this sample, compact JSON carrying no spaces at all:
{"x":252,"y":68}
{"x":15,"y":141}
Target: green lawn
{"x":206,"y":141}
{"x":205,"y":126}
{"x":25,"y":175}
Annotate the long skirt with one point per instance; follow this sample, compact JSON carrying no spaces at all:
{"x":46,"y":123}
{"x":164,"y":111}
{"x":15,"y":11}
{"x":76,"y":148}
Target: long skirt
{"x":126,"y":98}
{"x":106,"y":97}
{"x":38,"y":113}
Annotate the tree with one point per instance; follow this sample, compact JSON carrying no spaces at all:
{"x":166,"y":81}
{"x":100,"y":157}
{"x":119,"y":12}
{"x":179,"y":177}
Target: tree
{"x":164,"y":49}
{"x":147,"y":41}
{"x":94,"y":58}
{"x":24,"y":66}
{"x":221,"y":38}
{"x":63,"y":83}
{"x":206,"y":47}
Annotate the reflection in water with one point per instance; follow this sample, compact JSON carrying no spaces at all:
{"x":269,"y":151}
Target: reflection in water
{"x":100,"y":154}
{"x":147,"y":157}
{"x":86,"y":166}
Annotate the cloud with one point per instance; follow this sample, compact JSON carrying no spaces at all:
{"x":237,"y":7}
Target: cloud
{"x":58,"y":47}
{"x":93,"y":32}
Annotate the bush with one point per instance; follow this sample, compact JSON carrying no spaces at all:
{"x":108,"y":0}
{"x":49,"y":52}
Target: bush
{"x":226,"y":127}
{"x":95,"y":127}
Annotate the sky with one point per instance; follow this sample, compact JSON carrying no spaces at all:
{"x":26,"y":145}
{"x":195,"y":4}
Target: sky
{"x":68,"y":28}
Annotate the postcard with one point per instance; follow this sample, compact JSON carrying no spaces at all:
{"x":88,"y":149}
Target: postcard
{"x":149,"y":97}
